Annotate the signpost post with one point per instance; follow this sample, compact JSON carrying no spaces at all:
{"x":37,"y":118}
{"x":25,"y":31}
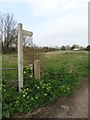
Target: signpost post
{"x":21,"y":32}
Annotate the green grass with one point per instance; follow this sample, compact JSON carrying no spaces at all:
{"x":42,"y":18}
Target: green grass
{"x":76,"y":59}
{"x":9,"y":61}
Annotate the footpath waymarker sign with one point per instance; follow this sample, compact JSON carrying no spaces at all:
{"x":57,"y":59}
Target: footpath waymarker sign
{"x":21,"y":32}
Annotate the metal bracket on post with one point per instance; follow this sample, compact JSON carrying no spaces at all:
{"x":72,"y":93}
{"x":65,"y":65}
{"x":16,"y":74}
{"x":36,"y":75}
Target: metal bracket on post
{"x":21,"y":32}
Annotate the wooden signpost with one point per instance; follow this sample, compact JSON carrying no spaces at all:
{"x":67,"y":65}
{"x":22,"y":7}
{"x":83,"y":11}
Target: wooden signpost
{"x":21,"y":32}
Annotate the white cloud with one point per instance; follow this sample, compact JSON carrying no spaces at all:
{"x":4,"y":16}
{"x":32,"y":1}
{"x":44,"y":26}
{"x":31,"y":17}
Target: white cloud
{"x":6,"y":1}
{"x":59,"y":21}
{"x":70,"y":28}
{"x":67,"y":23}
{"x":52,"y":7}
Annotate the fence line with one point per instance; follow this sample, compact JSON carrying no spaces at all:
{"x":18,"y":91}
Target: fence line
{"x":8,"y":68}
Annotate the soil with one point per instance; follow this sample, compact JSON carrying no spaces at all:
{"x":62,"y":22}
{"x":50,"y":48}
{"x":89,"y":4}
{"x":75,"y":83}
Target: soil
{"x":75,"y":106}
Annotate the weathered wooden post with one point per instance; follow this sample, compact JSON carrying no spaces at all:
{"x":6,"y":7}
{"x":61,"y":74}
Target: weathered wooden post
{"x":37,"y":69}
{"x":21,"y":32}
{"x":31,"y":66}
{"x":20,"y":56}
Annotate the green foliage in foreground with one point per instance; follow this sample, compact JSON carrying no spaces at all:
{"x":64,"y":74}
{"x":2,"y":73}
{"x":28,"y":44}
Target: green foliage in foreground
{"x":37,"y":93}
{"x":61,"y":73}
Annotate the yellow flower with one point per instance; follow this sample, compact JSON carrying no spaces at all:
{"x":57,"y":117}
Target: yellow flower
{"x":4,"y":90}
{"x":23,"y":91}
{"x":23,"y":95}
{"x":24,"y":72}
{"x":38,"y":87}
{"x":26,"y":93}
{"x":31,"y":68}
{"x":27,"y":96}
{"x":45,"y":94}
{"x":32,"y":98}
{"x":27,"y":89}
{"x":31,"y":76}
{"x":36,"y":97}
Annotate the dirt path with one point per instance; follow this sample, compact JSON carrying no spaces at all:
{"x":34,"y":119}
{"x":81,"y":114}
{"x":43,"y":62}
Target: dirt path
{"x":75,"y":106}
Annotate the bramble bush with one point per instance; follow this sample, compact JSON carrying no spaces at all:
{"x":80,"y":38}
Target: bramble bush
{"x":37,"y":93}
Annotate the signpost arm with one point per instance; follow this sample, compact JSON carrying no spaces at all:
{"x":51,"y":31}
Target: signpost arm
{"x":20,"y":57}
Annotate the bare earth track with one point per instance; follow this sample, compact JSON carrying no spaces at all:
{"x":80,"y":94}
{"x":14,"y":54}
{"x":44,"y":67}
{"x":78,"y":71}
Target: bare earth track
{"x":75,"y":106}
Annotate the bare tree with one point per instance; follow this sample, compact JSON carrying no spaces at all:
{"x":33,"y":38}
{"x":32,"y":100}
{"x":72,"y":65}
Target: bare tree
{"x":27,"y":41}
{"x":8,"y":31}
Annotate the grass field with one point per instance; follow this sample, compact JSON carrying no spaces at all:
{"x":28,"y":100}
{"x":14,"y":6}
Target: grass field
{"x":77,"y":60}
{"x":53,"y":60}
{"x":9,"y":61}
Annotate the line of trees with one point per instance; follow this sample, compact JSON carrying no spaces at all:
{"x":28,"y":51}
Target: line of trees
{"x":9,"y":37}
{"x":75,"y":47}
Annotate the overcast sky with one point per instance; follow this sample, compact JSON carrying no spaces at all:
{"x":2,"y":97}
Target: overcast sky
{"x":53,"y":22}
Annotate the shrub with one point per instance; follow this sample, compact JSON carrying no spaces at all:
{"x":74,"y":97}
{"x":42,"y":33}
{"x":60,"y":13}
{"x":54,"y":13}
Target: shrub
{"x":37,"y":93}
{"x":63,"y":48}
{"x":32,"y":53}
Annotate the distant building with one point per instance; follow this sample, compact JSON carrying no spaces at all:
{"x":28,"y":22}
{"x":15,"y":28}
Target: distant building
{"x":76,"y":49}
